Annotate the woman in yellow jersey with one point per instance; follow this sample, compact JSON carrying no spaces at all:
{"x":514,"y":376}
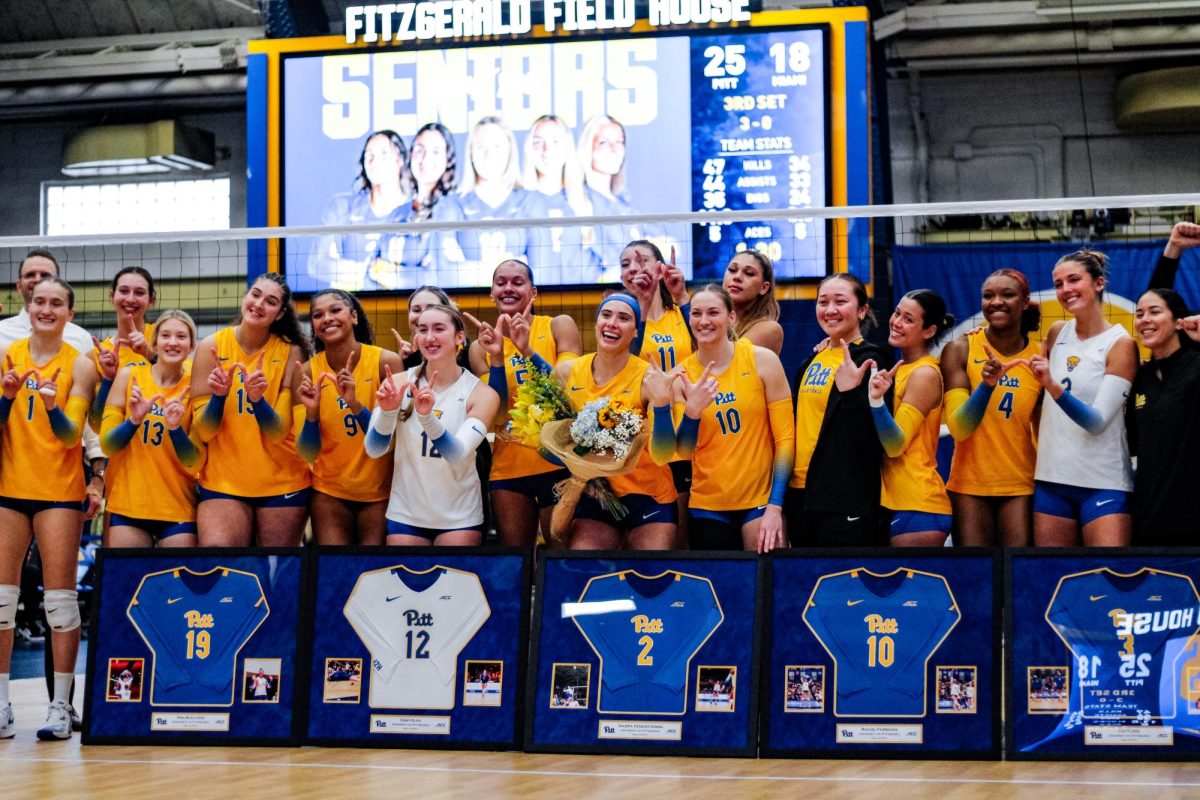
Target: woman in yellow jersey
{"x":648,"y":492}
{"x":337,"y":391}
{"x":521,"y":483}
{"x":254,"y":486}
{"x":152,"y":460}
{"x":750,"y":281}
{"x":912,"y":488}
{"x":833,"y":496}
{"x":991,"y":400}
{"x":132,"y":295}
{"x":738,"y":428}
{"x":41,"y":485}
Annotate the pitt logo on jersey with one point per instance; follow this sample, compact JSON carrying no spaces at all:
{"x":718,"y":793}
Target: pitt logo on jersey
{"x":517,"y":360}
{"x":662,"y":338}
{"x":877,"y":624}
{"x":724,"y":398}
{"x":817,"y":375}
{"x":415,"y":619}
{"x":197,"y":620}
{"x":1009,"y":382}
{"x":1072,"y":363}
{"x":643,"y":624}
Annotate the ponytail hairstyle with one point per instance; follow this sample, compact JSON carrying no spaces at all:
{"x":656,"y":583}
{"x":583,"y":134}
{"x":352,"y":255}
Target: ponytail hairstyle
{"x":141,"y":272}
{"x":764,"y":306}
{"x":1095,"y":262}
{"x":663,"y":292}
{"x":363,"y":334}
{"x":860,"y":294}
{"x":1031,"y":315}
{"x":287,"y":327}
{"x":1178,"y":308}
{"x":933,"y":311}
{"x":726,"y":299}
{"x":170,"y":314}
{"x":460,"y":326}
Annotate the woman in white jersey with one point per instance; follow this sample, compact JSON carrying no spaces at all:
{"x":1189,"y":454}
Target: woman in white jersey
{"x":435,"y":412}
{"x":1083,"y":474}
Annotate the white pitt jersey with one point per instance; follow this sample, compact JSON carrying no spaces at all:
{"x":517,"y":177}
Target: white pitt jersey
{"x":1067,"y":453}
{"x":415,"y":636}
{"x":427,"y":490}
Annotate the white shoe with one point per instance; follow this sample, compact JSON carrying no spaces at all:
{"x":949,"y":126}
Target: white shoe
{"x":58,"y":723}
{"x":76,"y":720}
{"x":8,"y":725}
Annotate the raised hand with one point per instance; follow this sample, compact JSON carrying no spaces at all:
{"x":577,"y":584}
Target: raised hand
{"x":256,"y":381}
{"x":344,"y":381}
{"x":176,"y":409}
{"x":489,"y":338}
{"x":220,"y":380}
{"x":11,"y":383}
{"x":308,"y":393}
{"x":1191,"y":326}
{"x":848,"y":376}
{"x":425,"y":397}
{"x":403,"y":348}
{"x":1184,"y":236}
{"x":882,"y":380}
{"x":676,"y":283}
{"x":643,"y":283}
{"x":391,"y":392}
{"x":1040,"y":365}
{"x":48,"y":389}
{"x":656,"y":385}
{"x":107,"y":358}
{"x":135,"y":339}
{"x":699,"y":395}
{"x":994,"y":369}
{"x":518,"y":328}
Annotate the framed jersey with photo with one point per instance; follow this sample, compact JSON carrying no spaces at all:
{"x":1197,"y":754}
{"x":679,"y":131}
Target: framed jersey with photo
{"x":195,"y":647}
{"x":645,"y":653}
{"x":1103,"y":655}
{"x":882,"y":654}
{"x":418,"y":647}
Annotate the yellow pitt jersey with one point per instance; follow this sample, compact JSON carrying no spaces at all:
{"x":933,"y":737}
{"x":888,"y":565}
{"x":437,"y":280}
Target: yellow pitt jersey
{"x":343,"y":469}
{"x":241,"y":460}
{"x":911,"y":481}
{"x":998,"y":459}
{"x":812,"y":398}
{"x":145,"y":479}
{"x":668,"y":340}
{"x":625,"y":388}
{"x":127,"y":357}
{"x":509,"y":459}
{"x":34,"y":464}
{"x":731,"y":468}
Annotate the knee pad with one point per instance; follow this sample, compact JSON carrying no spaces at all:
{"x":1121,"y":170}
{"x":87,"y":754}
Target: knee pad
{"x":62,"y":610}
{"x":8,"y":606}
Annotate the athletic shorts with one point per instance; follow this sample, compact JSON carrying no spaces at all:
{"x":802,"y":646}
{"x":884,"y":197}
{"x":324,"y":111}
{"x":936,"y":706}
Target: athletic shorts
{"x":719,"y":530}
{"x":157,"y":528}
{"x":917,"y":521}
{"x":540,"y":487}
{"x":395,"y":528}
{"x":735,"y":519}
{"x":296,"y":499}
{"x":31,"y":507}
{"x":1078,"y":502}
{"x":643,"y":510}
{"x":681,"y":473}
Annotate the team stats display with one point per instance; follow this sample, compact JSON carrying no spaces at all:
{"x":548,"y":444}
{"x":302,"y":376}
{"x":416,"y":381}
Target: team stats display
{"x":1106,"y":661}
{"x":640,"y":124}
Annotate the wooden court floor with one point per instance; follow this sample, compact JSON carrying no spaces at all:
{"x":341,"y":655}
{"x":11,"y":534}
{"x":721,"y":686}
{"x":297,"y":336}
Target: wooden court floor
{"x":67,"y":770}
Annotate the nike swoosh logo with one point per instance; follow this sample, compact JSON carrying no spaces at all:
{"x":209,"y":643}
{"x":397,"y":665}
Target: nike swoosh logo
{"x":651,"y":514}
{"x":576,"y":388}
{"x":290,"y":495}
{"x":1104,"y":502}
{"x":1095,"y":597}
{"x":397,"y":597}
{"x":853,"y":602}
{"x":979,"y":360}
{"x":172,"y":601}
{"x":853,"y":519}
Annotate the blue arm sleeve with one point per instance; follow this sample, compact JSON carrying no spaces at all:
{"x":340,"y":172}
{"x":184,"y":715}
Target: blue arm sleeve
{"x":635,"y":346}
{"x":268,"y":420}
{"x":662,"y":435}
{"x":119,"y":437}
{"x":185,"y":449}
{"x":498,"y":380}
{"x":540,"y":364}
{"x":101,"y":399}
{"x":377,"y":442}
{"x":686,"y":437}
{"x":1081,"y":413}
{"x":308,"y":443}
{"x":5,"y":409}
{"x":364,"y":419}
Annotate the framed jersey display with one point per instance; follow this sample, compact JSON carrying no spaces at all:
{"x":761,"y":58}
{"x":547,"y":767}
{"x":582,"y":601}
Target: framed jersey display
{"x":418,"y":647}
{"x":1103,"y":655}
{"x":645,"y":653}
{"x":877,"y":654}
{"x":195,"y":647}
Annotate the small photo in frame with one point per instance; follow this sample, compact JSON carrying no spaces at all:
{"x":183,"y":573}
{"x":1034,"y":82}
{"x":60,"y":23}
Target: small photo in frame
{"x":716,"y":688}
{"x":1049,"y":689}
{"x":570,"y":685}
{"x":483,"y":684}
{"x":956,"y":690}
{"x":343,"y":680}
{"x":260,"y":681}
{"x":804,"y":689}
{"x":125,"y":680}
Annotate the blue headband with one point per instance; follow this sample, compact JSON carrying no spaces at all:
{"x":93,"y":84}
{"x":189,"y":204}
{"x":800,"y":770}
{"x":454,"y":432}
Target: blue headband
{"x":627,"y":300}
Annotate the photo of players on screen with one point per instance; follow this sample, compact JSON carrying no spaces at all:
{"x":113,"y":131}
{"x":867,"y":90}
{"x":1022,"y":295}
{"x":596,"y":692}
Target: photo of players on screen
{"x":261,"y":681}
{"x":569,"y":686}
{"x":124,"y":680}
{"x":1049,"y":690}
{"x":484,"y":682}
{"x":343,"y":680}
{"x":804,"y":689}
{"x":716,"y":688}
{"x":956,"y":690}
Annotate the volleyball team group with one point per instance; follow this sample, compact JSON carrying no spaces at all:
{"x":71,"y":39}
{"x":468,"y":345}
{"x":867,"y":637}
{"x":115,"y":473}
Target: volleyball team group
{"x":241,"y":438}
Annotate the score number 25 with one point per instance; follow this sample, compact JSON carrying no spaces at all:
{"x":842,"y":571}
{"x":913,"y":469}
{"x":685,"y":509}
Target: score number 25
{"x":730,"y":59}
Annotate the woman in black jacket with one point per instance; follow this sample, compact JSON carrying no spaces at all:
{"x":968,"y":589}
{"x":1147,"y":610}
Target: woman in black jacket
{"x":833,"y":496}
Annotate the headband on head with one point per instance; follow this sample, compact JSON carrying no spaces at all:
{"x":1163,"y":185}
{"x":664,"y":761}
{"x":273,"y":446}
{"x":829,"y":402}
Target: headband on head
{"x":626,"y":299}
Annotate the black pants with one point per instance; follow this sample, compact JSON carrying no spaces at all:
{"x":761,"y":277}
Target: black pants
{"x":828,"y":528}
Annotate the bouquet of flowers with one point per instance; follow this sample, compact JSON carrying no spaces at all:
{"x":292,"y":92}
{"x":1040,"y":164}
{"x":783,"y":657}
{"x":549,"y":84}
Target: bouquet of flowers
{"x":603,"y":440}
